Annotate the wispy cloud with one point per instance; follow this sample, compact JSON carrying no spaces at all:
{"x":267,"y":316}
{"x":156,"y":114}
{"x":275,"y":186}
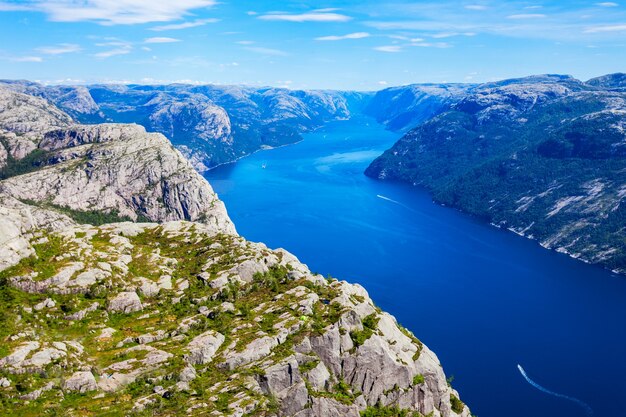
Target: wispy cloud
{"x":389,"y":48}
{"x":440,"y":45}
{"x":443,"y":35}
{"x":509,"y":19}
{"x":246,"y":42}
{"x":62,"y":48}
{"x":161,"y":39}
{"x":27,"y":59}
{"x":185,"y":25}
{"x":266,"y":51}
{"x":606,"y":28}
{"x":526,"y":16}
{"x":476,"y":7}
{"x":112,"y":52}
{"x":115,"y":47}
{"x":356,"y":35}
{"x":607,"y":4}
{"x":110,"y":12}
{"x":322,"y":15}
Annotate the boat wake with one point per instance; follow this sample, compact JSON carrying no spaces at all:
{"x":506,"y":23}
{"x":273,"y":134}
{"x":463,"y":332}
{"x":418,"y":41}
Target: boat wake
{"x":388,"y":199}
{"x":585,"y":406}
{"x":382,"y":197}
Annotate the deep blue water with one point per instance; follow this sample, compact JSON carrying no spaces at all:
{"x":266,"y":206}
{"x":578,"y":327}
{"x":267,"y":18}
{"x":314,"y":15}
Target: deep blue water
{"x":483,"y":299}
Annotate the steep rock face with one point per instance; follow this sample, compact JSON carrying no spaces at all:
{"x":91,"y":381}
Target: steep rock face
{"x":96,"y":172}
{"x":193,"y":117}
{"x":120,"y":169}
{"x":280,"y":342}
{"x":23,"y":121}
{"x":543,"y":156}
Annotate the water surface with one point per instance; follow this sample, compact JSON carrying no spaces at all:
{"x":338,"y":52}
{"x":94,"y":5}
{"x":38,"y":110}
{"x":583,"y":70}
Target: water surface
{"x":485,"y":300}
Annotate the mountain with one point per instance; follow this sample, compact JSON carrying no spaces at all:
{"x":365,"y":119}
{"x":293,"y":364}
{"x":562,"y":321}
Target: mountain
{"x":175,"y":314}
{"x":543,"y":156}
{"x":210,"y":124}
{"x":404,"y":107}
{"x":610,"y":81}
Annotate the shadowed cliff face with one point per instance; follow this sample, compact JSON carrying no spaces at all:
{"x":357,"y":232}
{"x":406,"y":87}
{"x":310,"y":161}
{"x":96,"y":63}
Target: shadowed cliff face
{"x":543,"y":156}
{"x":175,"y":316}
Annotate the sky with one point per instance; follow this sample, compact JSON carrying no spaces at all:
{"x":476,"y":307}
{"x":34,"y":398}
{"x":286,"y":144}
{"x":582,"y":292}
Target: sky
{"x":345,"y":45}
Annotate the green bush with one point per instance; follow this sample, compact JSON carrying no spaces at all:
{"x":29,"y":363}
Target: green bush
{"x":456,"y":404}
{"x":370,"y":325}
{"x":390,"y":411}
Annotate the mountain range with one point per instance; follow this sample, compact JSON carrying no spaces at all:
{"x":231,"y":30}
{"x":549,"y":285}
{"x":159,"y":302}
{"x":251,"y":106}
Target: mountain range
{"x":540,"y":155}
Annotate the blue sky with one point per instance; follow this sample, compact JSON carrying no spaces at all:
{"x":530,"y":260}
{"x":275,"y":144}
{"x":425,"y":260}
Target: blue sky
{"x":361,"y":45}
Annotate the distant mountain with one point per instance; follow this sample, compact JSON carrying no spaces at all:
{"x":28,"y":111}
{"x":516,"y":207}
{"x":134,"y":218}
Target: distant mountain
{"x":612,"y":81}
{"x":210,"y":124}
{"x":401,"y":108}
{"x":544,"y":156}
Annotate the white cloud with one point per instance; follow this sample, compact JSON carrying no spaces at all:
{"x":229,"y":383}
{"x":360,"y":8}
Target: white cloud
{"x":389,"y":48}
{"x":27,"y":59}
{"x":522,"y":16}
{"x":383,"y":83}
{"x":185,"y":25}
{"x":356,"y":35}
{"x":314,"y":16}
{"x":245,"y":42}
{"x":112,"y":52}
{"x":476,"y":7}
{"x":443,"y":35}
{"x":111,"y":12}
{"x":440,"y":45}
{"x":116,"y":47}
{"x":161,"y":39}
{"x":607,"y":4}
{"x":62,"y":48}
{"x":266,"y":51}
{"x":508,"y":19}
{"x":606,"y":28}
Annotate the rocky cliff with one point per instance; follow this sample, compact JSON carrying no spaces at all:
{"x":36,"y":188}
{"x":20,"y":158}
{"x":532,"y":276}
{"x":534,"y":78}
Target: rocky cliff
{"x":543,"y":156}
{"x":112,"y":169}
{"x":173,"y":317}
